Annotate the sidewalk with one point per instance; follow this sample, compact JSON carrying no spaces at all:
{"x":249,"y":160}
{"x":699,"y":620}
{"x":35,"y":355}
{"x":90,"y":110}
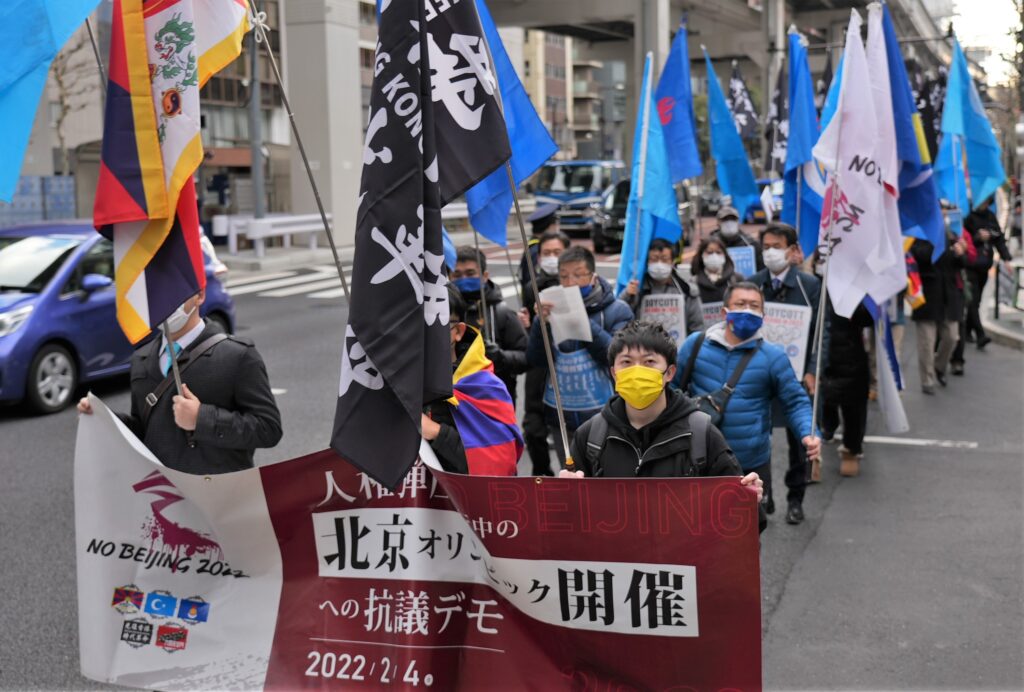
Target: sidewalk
{"x":1008,"y":329}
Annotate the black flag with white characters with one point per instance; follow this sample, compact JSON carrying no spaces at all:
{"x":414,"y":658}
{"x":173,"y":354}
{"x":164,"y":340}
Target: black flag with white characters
{"x":740,"y":105}
{"x":776,"y":126}
{"x":434,"y":129}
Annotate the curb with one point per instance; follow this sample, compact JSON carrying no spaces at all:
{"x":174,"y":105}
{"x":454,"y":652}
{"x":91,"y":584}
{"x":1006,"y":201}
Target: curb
{"x":1003,"y":336}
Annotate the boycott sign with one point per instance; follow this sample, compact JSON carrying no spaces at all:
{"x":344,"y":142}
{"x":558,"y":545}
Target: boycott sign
{"x":668,"y":310}
{"x":308,"y":574}
{"x":743,"y":260}
{"x":786,"y":326}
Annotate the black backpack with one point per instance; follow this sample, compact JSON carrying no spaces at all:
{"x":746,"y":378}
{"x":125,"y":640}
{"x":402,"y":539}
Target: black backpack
{"x":698,"y":421}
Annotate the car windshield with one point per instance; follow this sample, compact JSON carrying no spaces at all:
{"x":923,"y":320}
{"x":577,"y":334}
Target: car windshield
{"x":561,"y":178}
{"x":619,"y":196}
{"x":28,"y":263}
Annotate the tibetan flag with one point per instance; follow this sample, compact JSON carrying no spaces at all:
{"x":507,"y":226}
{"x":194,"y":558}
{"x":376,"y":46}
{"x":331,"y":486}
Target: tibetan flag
{"x":32,"y":32}
{"x":485,"y":415}
{"x":161,"y":54}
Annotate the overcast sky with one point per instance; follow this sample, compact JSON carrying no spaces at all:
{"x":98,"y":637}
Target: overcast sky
{"x":987,"y":23}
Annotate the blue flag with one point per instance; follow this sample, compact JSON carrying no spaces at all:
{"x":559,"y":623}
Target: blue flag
{"x":966,"y":132}
{"x":804,"y":179}
{"x":32,"y":32}
{"x":735,"y":176}
{"x":675,"y":110}
{"x":449,"y":249}
{"x":652,"y":211}
{"x":490,"y":200}
{"x":920,"y":212}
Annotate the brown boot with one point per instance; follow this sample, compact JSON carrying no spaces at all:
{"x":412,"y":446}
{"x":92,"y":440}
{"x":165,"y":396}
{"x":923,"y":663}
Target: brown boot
{"x":849,"y":463}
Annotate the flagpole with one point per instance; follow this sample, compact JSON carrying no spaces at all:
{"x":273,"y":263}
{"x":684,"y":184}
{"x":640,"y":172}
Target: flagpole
{"x":570,"y":465}
{"x":512,"y":273}
{"x":479,"y":268}
{"x":645,"y":115}
{"x":99,"y":58}
{"x":258,"y":21}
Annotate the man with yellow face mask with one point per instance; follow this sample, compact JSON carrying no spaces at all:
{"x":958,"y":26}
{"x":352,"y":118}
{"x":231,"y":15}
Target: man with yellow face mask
{"x":649,"y":429}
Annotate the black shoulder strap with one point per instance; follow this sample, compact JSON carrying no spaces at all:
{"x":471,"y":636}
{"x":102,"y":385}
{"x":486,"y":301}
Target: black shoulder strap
{"x":699,"y":422}
{"x":730,"y":386}
{"x":193,"y":355}
{"x":684,"y":381}
{"x":596,"y":438}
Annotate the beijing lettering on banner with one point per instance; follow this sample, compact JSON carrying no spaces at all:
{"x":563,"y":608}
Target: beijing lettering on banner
{"x":447,"y":582}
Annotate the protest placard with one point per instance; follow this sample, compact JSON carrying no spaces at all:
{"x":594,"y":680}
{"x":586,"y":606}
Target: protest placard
{"x":743,"y":260}
{"x":668,"y":310}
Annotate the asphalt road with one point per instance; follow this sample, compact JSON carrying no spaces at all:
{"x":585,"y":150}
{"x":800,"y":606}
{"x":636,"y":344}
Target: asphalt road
{"x":909,"y":576}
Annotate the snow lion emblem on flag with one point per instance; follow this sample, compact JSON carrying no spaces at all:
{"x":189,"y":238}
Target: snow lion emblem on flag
{"x":177,"y":68}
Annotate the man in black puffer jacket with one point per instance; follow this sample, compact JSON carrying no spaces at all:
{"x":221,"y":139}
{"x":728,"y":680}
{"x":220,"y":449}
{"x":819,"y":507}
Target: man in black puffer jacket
{"x":504,"y":335}
{"x":648,"y":429}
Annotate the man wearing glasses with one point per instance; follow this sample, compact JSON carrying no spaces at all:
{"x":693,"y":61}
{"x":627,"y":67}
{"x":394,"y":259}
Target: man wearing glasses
{"x":707,"y":367}
{"x":582,"y":367}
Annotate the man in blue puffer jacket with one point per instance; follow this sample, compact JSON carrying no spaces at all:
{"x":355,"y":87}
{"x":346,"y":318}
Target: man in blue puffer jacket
{"x":582,"y":367}
{"x":747,"y":419}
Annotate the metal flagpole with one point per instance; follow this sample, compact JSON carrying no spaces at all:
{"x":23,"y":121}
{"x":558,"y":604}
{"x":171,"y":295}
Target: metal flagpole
{"x":819,"y":328}
{"x":548,"y":353}
{"x":512,"y":273}
{"x":644,"y":116}
{"x":96,"y":52}
{"x":479,"y":268}
{"x":570,"y":465}
{"x":258,"y":21}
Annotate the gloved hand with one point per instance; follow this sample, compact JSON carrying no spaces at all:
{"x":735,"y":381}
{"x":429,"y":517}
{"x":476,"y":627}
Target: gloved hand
{"x":494,"y":354}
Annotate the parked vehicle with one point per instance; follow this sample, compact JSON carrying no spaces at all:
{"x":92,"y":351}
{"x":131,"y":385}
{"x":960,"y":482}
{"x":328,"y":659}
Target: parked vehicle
{"x":58,"y":322}
{"x":608,"y":217}
{"x":756,"y":212}
{"x":575,"y":186}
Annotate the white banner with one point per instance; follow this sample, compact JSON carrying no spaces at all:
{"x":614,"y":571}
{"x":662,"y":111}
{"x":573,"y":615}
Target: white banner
{"x":786,"y":326}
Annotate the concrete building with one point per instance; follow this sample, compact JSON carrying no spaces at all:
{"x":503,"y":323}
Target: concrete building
{"x":581,"y":62}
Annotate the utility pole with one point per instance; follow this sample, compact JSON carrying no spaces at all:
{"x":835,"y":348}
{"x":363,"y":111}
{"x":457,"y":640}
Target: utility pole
{"x":259,"y":206}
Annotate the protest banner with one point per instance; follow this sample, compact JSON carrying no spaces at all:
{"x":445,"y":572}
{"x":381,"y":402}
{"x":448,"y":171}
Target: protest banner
{"x":786,"y":326}
{"x":309,"y":574}
{"x":743,"y":260}
{"x":668,"y":310}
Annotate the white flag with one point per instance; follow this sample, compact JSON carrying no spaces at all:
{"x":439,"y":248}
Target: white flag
{"x":858,"y":149}
{"x":887,"y":365}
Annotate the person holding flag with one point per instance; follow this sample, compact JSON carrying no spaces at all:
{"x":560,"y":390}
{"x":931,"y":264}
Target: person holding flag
{"x":160,"y":56}
{"x":662,"y":278}
{"x":474,"y":431}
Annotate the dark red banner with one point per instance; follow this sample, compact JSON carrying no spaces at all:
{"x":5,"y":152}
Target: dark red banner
{"x":459,"y":582}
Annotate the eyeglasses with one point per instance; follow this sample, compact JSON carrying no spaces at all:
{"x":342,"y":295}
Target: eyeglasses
{"x":740,"y":304}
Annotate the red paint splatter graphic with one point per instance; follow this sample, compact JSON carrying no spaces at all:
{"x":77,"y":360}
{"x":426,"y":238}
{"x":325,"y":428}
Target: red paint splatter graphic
{"x":183,"y":541}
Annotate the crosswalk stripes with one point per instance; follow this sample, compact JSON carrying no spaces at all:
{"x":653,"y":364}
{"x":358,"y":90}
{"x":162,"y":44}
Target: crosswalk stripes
{"x":319,"y":283}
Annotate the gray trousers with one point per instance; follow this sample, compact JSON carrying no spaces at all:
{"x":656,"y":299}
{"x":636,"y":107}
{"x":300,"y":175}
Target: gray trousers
{"x":930,"y":359}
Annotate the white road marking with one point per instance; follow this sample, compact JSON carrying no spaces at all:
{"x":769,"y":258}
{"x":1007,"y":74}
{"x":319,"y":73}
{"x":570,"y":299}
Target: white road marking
{"x":278,"y":391}
{"x":303,"y":288}
{"x":241,"y":281}
{"x":919,"y":442}
{"x":280,"y":283}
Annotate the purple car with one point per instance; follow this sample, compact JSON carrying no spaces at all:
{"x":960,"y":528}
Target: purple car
{"x":58,"y":323}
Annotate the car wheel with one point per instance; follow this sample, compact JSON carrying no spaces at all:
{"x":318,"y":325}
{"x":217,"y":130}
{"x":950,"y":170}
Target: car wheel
{"x":52,"y":379}
{"x":599,"y":245}
{"x":221,"y":321}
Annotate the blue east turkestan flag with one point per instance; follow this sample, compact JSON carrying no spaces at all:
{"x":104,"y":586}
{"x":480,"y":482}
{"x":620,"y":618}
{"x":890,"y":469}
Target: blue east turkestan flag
{"x":735,"y":177}
{"x":801,"y":171}
{"x":490,"y":200}
{"x":966,"y":133}
{"x":32,"y":32}
{"x":920,"y":212}
{"x":674,"y":97}
{"x":652,"y":211}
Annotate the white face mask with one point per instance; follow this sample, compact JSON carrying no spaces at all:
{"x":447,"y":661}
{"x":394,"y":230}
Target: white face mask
{"x":549,"y":265}
{"x":775,"y":259}
{"x":714,"y":262}
{"x":179,"y":318}
{"x":659,"y":270}
{"x":730,"y":228}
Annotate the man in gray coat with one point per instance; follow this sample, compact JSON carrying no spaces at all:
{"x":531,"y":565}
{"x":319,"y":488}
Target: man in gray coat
{"x":225,"y":409}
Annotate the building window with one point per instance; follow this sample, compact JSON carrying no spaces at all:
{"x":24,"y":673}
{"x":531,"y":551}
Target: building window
{"x":526,"y":68}
{"x":366,"y":58}
{"x":367,"y":14}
